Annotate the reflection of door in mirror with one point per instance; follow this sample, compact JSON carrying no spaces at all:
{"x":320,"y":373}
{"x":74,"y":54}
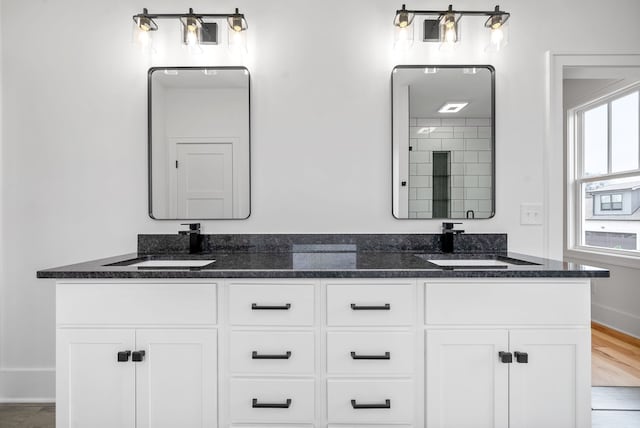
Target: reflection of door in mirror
{"x":443,"y":141}
{"x":204,"y":180}
{"x":199,"y":143}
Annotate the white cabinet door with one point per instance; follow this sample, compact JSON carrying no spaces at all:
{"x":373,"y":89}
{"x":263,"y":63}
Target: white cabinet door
{"x":177,"y":380}
{"x":467,"y":385}
{"x":552,"y":389}
{"x":93,"y":389}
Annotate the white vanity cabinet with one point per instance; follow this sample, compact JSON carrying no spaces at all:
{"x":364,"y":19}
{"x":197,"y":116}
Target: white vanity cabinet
{"x":324,"y":353}
{"x":507,"y":353}
{"x":371,"y":351}
{"x":271,"y":352}
{"x":136,"y":354}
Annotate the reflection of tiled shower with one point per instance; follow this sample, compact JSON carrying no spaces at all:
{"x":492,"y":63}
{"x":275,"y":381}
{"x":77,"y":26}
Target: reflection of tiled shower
{"x":468,"y":141}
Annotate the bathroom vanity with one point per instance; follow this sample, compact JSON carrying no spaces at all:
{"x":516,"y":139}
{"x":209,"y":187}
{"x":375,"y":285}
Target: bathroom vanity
{"x":323,"y":330}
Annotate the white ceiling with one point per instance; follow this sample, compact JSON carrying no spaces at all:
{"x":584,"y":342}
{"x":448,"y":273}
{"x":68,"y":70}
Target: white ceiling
{"x":429,"y":92}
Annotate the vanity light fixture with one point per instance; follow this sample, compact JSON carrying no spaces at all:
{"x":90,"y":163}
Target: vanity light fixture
{"x":449,"y":19}
{"x":430,"y":70}
{"x":197,"y":28}
{"x":452,"y":107}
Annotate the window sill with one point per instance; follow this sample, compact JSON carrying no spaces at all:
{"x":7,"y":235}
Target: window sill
{"x":600,"y":257}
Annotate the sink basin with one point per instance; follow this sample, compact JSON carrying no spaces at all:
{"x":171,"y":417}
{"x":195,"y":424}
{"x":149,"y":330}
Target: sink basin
{"x":471,"y":263}
{"x":172,"y":264}
{"x":474,"y":262}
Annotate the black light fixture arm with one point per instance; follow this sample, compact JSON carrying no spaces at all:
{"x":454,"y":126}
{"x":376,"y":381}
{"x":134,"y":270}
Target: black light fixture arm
{"x":441,"y":13}
{"x":145,"y":14}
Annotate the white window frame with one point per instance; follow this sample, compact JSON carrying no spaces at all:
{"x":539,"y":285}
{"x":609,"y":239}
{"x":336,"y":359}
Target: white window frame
{"x":575,"y":168}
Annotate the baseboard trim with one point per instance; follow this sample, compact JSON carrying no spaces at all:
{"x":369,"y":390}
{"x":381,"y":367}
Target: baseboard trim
{"x":634,"y":341}
{"x":27,"y":385}
{"x":617,"y":320}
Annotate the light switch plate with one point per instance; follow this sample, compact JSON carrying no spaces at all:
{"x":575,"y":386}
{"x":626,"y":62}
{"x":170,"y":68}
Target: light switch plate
{"x":531,"y":214}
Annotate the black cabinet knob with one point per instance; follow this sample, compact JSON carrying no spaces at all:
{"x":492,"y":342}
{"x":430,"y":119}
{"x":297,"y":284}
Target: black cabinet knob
{"x":137,"y":356}
{"x":521,"y":357}
{"x":505,"y":357}
{"x":123,"y":356}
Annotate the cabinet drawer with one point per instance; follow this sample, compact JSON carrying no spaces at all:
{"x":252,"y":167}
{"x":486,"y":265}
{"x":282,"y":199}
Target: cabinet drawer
{"x":271,"y":304}
{"x":128,"y":303}
{"x":507,"y":302}
{"x":351,"y":401}
{"x":260,"y":352}
{"x":371,"y":304}
{"x":272,"y":400}
{"x":370,"y":352}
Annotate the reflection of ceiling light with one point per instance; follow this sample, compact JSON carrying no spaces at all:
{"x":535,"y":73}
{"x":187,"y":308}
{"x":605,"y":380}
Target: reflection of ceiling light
{"x":209,"y":72}
{"x":472,"y":70}
{"x":426,"y":130}
{"x":171,"y":72}
{"x":452,"y":107}
{"x":430,"y":70}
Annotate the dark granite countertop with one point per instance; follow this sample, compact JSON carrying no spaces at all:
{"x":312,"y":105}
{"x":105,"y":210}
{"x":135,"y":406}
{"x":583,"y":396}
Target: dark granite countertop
{"x":323,"y":256}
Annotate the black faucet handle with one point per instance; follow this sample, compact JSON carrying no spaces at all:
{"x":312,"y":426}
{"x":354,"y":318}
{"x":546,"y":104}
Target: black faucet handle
{"x":192,"y":226}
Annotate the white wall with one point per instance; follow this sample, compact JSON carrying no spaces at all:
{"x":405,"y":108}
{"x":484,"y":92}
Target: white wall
{"x":74,"y":132}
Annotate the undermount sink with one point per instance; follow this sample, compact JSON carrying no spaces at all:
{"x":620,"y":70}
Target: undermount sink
{"x":172,"y":264}
{"x":469,"y":263}
{"x":477,"y":262}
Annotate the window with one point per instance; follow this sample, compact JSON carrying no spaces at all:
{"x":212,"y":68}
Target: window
{"x":606,"y":173}
{"x":611,"y":202}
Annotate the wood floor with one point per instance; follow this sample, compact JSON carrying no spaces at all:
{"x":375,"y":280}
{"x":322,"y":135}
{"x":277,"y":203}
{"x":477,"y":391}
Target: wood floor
{"x":615,"y":358}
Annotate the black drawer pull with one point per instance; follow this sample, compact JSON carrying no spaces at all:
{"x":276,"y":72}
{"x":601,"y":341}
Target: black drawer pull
{"x":521,"y":357}
{"x":137,"y":356}
{"x":505,"y":357}
{"x":385,"y":307}
{"x":256,"y":307}
{"x":123,"y":356}
{"x":386,"y":405}
{"x":386,"y":356}
{"x":257,"y":405}
{"x":256,"y":356}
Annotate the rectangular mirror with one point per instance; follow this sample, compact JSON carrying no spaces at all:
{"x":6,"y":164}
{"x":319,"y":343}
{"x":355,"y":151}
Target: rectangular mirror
{"x":443,"y":142}
{"x":199,"y":137}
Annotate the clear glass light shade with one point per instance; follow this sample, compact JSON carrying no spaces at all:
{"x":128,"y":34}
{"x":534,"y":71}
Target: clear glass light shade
{"x":143,"y":33}
{"x":498,"y":30}
{"x":237,"y":40}
{"x":191,"y":28}
{"x":403,"y":37}
{"x":237,"y":23}
{"x":403,"y":19}
{"x":498,"y":38}
{"x":449,"y":29}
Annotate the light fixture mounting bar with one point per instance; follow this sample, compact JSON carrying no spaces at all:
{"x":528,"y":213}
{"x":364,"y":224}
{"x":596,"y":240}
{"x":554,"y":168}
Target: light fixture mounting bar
{"x":442,"y":13}
{"x":190,"y":14}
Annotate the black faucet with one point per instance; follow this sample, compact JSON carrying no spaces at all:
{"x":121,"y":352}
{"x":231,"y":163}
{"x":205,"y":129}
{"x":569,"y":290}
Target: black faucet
{"x":446,"y":239}
{"x":195,"y":238}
